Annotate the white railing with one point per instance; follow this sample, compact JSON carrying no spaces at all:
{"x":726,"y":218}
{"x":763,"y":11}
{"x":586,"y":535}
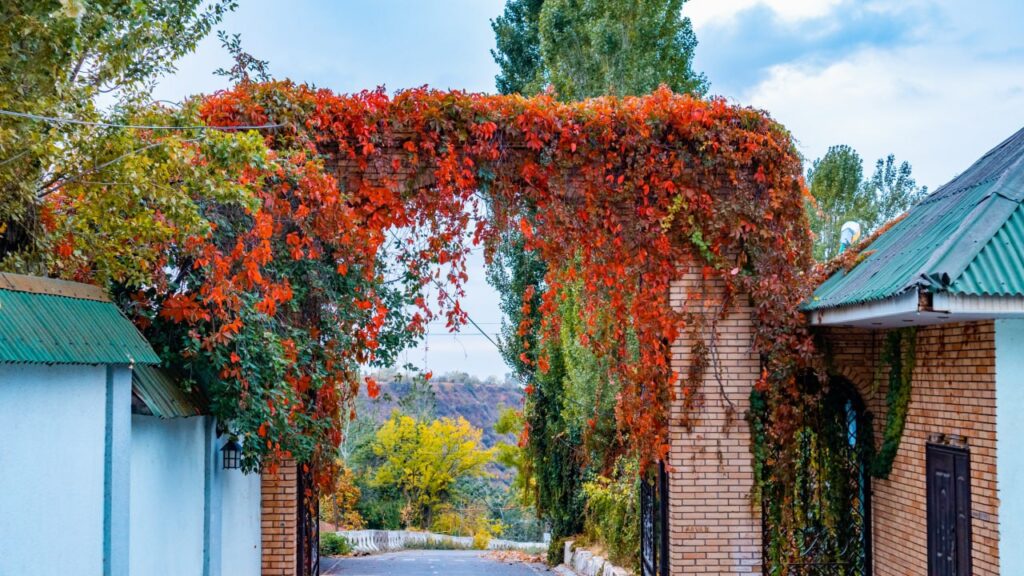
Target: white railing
{"x":374,"y":541}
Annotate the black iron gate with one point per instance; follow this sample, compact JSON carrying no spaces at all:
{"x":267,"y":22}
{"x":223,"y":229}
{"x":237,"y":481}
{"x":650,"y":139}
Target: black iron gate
{"x":654,"y":523}
{"x":832,"y":491}
{"x":309,"y":524}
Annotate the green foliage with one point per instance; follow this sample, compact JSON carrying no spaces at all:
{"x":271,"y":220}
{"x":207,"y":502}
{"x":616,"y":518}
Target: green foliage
{"x":842,"y":194}
{"x":381,"y":509}
{"x":556,"y":551}
{"x":589,"y":392}
{"x":518,"y":275}
{"x":58,"y":58}
{"x":894,"y":189}
{"x":518,"y":48}
{"x":613,"y":515}
{"x":554,"y":449}
{"x":621,"y":47}
{"x":124,"y":220}
{"x":586,"y":48}
{"x":523,"y":489}
{"x":334,"y":544}
{"x":899,"y":355}
{"x":809,"y":501}
{"x":836,"y":184}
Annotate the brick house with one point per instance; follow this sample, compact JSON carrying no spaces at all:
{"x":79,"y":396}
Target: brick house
{"x":953,"y":502}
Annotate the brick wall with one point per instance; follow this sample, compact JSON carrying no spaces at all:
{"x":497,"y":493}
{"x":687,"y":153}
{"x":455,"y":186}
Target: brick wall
{"x":714,"y":528}
{"x":279,"y":521}
{"x":953,"y":392}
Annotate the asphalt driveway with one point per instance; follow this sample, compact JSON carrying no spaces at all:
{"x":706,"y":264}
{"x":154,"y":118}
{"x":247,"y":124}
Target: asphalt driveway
{"x":428,"y":563}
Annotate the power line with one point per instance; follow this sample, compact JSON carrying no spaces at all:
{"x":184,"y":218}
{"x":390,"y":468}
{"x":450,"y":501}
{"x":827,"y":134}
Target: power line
{"x":56,"y":120}
{"x":458,"y":334}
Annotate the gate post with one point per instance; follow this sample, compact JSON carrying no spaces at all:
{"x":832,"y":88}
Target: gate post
{"x":713,"y":526}
{"x":279,"y":520}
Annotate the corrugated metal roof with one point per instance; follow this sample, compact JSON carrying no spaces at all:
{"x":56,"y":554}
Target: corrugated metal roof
{"x":998,"y":270}
{"x":162,"y":394}
{"x":965,"y":238}
{"x":55,"y":322}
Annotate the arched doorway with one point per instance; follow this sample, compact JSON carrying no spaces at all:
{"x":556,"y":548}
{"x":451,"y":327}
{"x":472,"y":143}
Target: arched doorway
{"x":830,"y":495}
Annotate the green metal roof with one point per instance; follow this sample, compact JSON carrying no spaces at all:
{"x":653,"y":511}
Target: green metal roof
{"x":48,"y":321}
{"x":163,"y":396}
{"x":966,"y":238}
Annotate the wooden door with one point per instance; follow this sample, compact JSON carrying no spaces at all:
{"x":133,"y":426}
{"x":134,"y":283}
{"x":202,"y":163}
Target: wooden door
{"x":949,"y":511}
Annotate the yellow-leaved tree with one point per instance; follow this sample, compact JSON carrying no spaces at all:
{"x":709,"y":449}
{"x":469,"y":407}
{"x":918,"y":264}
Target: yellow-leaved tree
{"x":423,"y":460}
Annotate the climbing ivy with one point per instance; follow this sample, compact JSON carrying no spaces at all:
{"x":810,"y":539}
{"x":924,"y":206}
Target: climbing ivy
{"x":806,"y":497}
{"x":811,"y":506}
{"x":899,"y":355}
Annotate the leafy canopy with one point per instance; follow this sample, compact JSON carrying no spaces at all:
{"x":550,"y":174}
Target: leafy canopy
{"x":424,"y":460}
{"x":842,"y":194}
{"x":588,"y":48}
{"x":58,"y":59}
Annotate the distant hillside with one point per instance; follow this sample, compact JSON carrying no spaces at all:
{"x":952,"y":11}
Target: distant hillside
{"x":479,"y":402}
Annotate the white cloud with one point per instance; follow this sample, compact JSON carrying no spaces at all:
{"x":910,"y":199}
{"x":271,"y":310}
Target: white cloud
{"x":704,"y":12}
{"x":936,"y":106}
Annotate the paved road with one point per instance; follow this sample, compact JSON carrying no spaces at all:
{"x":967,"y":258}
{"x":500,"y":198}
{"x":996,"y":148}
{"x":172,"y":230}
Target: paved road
{"x":428,"y":563}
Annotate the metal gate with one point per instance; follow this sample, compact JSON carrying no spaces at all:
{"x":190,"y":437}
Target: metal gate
{"x":309,"y":524}
{"x":654,"y":523}
{"x":833,"y":491}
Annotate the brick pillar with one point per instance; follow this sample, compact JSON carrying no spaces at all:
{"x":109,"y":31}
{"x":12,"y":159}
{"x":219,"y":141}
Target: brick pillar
{"x":714,"y":527}
{"x":279,"y":520}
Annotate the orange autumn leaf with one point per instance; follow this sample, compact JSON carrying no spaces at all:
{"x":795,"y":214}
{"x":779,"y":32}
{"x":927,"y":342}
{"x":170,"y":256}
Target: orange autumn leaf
{"x":372,"y":388}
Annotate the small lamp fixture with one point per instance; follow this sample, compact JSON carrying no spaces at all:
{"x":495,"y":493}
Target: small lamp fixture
{"x":232,"y":453}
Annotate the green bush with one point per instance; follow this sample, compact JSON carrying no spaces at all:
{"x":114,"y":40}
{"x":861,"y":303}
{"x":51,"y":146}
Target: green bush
{"x":612,"y":518}
{"x":333,"y":544}
{"x":556,"y":551}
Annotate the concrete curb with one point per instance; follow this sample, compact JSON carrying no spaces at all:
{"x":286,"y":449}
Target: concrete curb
{"x":580,"y":562}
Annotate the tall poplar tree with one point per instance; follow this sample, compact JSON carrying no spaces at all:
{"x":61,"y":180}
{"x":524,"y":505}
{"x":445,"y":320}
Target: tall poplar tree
{"x":841,"y":194}
{"x":582,"y":49}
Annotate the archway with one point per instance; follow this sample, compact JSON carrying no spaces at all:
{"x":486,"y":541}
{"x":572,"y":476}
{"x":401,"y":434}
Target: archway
{"x":830,"y":491}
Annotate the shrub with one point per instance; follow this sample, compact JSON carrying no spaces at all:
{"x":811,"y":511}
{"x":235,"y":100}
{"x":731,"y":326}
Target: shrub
{"x":333,"y":544}
{"x":556,"y":551}
{"x":481,"y":539}
{"x":612,"y":518}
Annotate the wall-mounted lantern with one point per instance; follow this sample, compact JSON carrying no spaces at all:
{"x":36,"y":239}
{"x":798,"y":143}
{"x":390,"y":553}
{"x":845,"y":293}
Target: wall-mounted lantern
{"x":232,"y":454}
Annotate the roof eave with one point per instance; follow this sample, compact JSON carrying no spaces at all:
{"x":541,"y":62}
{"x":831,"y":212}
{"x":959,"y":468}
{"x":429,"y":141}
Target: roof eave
{"x":875,"y":313}
{"x":916,"y":307}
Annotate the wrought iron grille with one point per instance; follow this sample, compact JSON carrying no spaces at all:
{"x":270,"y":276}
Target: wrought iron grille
{"x":654,"y":524}
{"x":309,"y":525}
{"x":832,"y":494}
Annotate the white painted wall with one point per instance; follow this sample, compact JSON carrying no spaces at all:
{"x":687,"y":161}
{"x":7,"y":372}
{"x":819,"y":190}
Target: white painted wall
{"x":167,"y":496}
{"x":1010,"y":444}
{"x":240,"y":520}
{"x":51,"y":469}
{"x":69,"y":478}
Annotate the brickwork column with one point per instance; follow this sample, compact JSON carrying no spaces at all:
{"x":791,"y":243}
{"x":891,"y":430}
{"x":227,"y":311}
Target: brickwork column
{"x":714,"y":528}
{"x":279,"y":520}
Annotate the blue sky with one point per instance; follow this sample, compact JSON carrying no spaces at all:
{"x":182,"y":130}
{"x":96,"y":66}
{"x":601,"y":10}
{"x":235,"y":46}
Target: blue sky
{"x":936,"y":83}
